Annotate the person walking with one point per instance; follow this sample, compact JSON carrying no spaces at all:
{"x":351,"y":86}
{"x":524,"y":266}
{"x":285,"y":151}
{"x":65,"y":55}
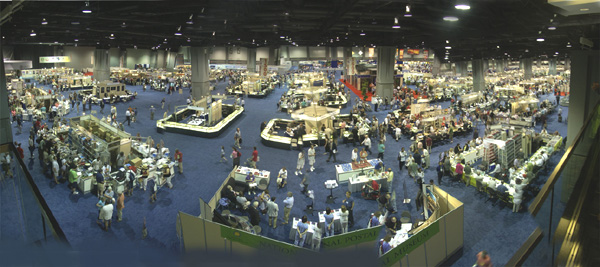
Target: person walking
{"x":300,"y":163}
{"x":162,"y":103}
{"x":311,"y":157}
{"x":272,"y":212}
{"x":179,"y":160}
{"x":235,"y":155}
{"x":120,"y":206}
{"x":152,"y":110}
{"x":254,"y":158}
{"x":332,"y":150}
{"x":380,"y":150}
{"x":31,"y":146}
{"x":127,"y":117}
{"x":402,"y":158}
{"x":288,"y":203}
{"x":237,"y":138}
{"x":367,"y":143}
{"x":223,"y":158}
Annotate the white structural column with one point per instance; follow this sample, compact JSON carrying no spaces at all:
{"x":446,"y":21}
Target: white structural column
{"x":273,"y":56}
{"x":435,"y":70}
{"x":251,"y":64}
{"x":478,"y":75}
{"x":552,"y":67}
{"x":567,"y":64}
{"x":385,"y":71}
{"x":486,"y":65}
{"x":461,"y":68}
{"x":101,"y":65}
{"x":499,"y":65}
{"x":527,"y":68}
{"x":123,"y":58}
{"x":5,"y":126}
{"x":538,"y":62}
{"x":200,"y":82}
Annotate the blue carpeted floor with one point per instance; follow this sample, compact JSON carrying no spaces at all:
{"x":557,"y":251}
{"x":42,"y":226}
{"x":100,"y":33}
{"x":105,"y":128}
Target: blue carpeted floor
{"x":486,"y":227}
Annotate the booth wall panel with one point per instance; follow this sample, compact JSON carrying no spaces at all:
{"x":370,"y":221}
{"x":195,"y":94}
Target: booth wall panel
{"x":218,"y":53}
{"x":454,"y":229}
{"x":317,"y":51}
{"x":243,"y":250}
{"x":297,"y":52}
{"x":340,"y":53}
{"x":262,"y":52}
{"x":214,"y":241}
{"x":417,"y":257}
{"x":194,"y":232}
{"x":81,"y":57}
{"x":242,"y":56}
{"x":436,"y":246}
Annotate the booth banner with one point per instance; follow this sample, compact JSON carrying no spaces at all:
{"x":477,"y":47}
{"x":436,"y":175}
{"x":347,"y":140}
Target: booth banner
{"x":334,"y":63}
{"x":55,"y":59}
{"x":351,"y":238}
{"x":409,"y":245}
{"x":264,"y":67}
{"x":259,"y":242}
{"x":352,"y":67}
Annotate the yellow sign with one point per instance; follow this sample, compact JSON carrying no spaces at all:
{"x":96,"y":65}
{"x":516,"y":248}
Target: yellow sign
{"x":55,"y":59}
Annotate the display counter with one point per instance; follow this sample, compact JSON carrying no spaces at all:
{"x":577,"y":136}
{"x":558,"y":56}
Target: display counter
{"x":355,"y":183}
{"x":270,"y":135}
{"x":172,"y":123}
{"x":241,"y":172}
{"x":343,"y":172}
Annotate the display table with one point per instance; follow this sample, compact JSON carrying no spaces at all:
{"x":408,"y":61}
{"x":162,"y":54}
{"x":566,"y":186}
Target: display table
{"x":343,"y":172}
{"x":337,"y":225}
{"x":401,"y":235}
{"x":309,"y":234}
{"x":355,"y":184}
{"x":241,"y":172}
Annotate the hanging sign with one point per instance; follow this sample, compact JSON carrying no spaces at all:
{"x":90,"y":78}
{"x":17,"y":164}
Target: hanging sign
{"x":55,"y":59}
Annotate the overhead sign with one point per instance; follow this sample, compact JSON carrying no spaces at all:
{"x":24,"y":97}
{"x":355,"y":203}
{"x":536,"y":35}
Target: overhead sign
{"x":55,"y":59}
{"x":413,"y":51}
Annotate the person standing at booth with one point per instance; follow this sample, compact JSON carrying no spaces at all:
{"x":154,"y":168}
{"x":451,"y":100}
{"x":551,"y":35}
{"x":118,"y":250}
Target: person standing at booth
{"x":272,"y":212}
{"x":301,"y":229}
{"x":329,"y":227}
{"x":288,"y":203}
{"x":349,"y":202}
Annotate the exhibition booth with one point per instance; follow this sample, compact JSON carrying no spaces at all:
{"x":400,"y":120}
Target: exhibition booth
{"x":108,"y":92}
{"x":421,"y":242}
{"x":202,"y":119}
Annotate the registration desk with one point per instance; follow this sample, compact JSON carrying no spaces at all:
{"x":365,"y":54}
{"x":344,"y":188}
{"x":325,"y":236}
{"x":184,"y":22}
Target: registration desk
{"x":343,"y":172}
{"x":241,"y":172}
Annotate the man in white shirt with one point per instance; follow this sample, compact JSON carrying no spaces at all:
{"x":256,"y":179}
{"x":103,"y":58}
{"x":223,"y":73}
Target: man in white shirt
{"x":106,"y":213}
{"x":282,"y":178}
{"x":128,"y":117}
{"x":288,"y":203}
{"x":55,"y":169}
{"x":311,"y":157}
{"x":398,"y":133}
{"x":367,"y":143}
{"x":354,"y":155}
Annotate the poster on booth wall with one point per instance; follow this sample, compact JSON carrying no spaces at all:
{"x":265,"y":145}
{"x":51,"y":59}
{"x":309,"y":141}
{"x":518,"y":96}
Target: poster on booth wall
{"x":334,"y":63}
{"x":264,"y":68}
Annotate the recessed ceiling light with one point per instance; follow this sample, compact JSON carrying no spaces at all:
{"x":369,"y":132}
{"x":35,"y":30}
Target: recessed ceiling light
{"x":74,"y":22}
{"x":123,"y":25}
{"x":540,"y":39}
{"x":551,"y":28}
{"x":178,"y":33}
{"x":44,"y":22}
{"x":462,"y":6}
{"x":76,"y":40}
{"x":556,"y":53}
{"x":447,"y":41}
{"x":450,"y":18}
{"x":214,"y":33}
{"x":87,"y":9}
{"x":526,"y":50}
{"x":362,"y":33}
{"x":569,"y":44}
{"x":282,"y":37}
{"x":32,"y":33}
{"x":448,"y":47}
{"x":497,"y":46}
{"x":584,"y":9}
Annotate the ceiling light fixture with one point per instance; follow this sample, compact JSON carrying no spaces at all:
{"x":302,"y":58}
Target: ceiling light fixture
{"x":556,"y":53}
{"x":551,"y":28}
{"x":540,"y":39}
{"x":569,"y":44}
{"x":448,"y":47}
{"x":123,"y":25}
{"x":214,"y":33}
{"x":76,"y":40}
{"x":362,"y":33}
{"x":447,"y":41}
{"x":87,"y":9}
{"x":112,"y":36}
{"x":32,"y":33}
{"x":450,"y":18}
{"x":74,"y":22}
{"x":44,"y":22}
{"x":584,"y":9}
{"x":282,"y":37}
{"x":190,"y":20}
{"x":408,"y":14}
{"x":396,"y":24}
{"x":178,"y":33}
{"x":462,"y":7}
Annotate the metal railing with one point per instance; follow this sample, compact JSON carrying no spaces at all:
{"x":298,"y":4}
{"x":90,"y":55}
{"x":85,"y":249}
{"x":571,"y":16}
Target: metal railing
{"x":32,"y":221}
{"x":558,"y":217}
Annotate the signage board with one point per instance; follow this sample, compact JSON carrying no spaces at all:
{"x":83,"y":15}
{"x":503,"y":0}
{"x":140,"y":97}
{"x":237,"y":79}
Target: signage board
{"x":55,"y":59}
{"x":259,"y":242}
{"x":264,"y":68}
{"x":351,"y":238}
{"x":397,"y":253}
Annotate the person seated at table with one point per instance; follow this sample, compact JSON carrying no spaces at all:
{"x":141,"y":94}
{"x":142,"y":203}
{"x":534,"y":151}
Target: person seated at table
{"x":250,"y":178}
{"x":385,"y":245}
{"x":329,"y":228}
{"x":370,"y":189}
{"x":282,"y":178}
{"x":374,"y":221}
{"x":466,"y":147}
{"x":288,"y":132}
{"x":241,"y":200}
{"x":392,"y":225}
{"x":457,"y":149}
{"x":230,"y":194}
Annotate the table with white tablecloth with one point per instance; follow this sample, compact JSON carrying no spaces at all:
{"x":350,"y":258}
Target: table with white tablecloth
{"x":355,"y":184}
{"x":309,"y":232}
{"x":241,"y":172}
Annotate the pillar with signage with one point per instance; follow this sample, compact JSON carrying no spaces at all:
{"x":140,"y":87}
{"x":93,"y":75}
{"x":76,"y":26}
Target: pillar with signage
{"x":386,"y":57}
{"x":552,"y":67}
{"x":101,"y":65}
{"x":251,"y":64}
{"x":527,"y":68}
{"x":461,"y":68}
{"x":264,"y":67}
{"x":347,"y":62}
{"x":5,"y":126}
{"x":200,"y":67}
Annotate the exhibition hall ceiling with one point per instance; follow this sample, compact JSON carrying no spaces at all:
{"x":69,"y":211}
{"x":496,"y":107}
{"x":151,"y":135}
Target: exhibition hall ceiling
{"x":488,"y":29}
